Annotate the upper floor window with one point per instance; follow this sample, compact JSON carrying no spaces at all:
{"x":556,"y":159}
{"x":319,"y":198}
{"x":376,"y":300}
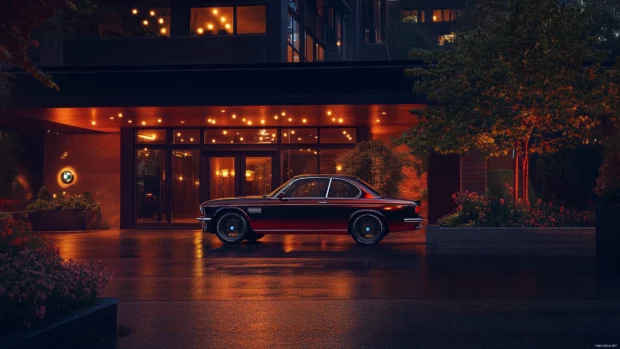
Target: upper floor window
{"x":446,"y":39}
{"x":293,"y":40}
{"x":446,"y":15}
{"x":137,"y":22}
{"x":224,"y":20}
{"x":412,"y":16}
{"x":294,"y":5}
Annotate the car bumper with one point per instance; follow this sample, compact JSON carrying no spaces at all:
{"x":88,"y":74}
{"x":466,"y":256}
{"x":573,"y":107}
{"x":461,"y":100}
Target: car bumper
{"x":204,"y":222}
{"x":417,"y":221}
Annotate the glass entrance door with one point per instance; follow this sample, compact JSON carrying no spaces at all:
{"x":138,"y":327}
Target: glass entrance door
{"x":232,"y":174}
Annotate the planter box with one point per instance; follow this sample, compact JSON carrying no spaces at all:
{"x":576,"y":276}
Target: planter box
{"x":63,"y":220}
{"x":608,"y":240}
{"x":512,"y":238}
{"x":79,"y":329}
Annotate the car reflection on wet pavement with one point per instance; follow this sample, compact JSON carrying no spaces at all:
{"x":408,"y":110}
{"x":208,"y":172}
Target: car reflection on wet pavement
{"x":185,"y":289}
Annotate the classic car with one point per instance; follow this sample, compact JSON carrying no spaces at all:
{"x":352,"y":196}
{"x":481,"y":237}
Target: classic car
{"x":312,"y":204}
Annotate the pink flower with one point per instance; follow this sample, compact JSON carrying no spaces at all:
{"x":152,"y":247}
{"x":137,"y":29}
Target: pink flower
{"x":501,"y":201}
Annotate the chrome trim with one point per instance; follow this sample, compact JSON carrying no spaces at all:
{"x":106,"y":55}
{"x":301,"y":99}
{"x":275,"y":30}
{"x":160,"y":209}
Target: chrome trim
{"x":413,"y":220}
{"x":328,"y":186}
{"x":326,"y":193}
{"x":317,"y":230}
{"x":353,"y":184}
{"x":204,"y":219}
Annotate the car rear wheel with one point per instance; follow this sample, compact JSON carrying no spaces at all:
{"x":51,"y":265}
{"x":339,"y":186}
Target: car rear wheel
{"x":255,"y":237}
{"x":232,"y":228}
{"x":367,"y":229}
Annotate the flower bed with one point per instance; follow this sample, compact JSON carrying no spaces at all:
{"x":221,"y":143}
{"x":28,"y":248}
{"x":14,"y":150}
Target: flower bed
{"x":483,"y":210}
{"x":36,"y":283}
{"x":67,"y":212}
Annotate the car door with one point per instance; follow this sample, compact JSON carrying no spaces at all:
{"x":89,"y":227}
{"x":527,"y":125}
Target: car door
{"x":301,"y":208}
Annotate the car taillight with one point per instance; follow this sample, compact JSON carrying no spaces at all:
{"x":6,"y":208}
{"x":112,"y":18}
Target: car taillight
{"x":417,"y":209}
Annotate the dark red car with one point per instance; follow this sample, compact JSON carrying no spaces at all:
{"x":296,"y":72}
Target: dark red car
{"x":312,"y":204}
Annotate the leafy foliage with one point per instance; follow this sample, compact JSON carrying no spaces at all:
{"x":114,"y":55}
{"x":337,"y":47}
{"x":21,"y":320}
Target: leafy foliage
{"x":65,"y":202}
{"x":608,"y":181}
{"x":44,"y":194}
{"x":378,"y":164}
{"x":516,"y":80}
{"x":18,"y":19}
{"x":9,"y":147}
{"x":484,"y":210}
{"x":36,"y":283}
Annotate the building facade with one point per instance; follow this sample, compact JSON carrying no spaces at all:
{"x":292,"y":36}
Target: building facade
{"x":162,"y":107}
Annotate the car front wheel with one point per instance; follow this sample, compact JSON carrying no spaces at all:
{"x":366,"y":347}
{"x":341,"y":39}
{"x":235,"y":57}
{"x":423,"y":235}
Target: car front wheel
{"x":367,"y":229}
{"x":232,"y":228}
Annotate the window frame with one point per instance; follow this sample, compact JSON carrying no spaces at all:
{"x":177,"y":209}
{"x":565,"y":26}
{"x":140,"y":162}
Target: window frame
{"x":235,"y":18}
{"x":343,"y":198}
{"x":292,"y":19}
{"x":283,"y":190}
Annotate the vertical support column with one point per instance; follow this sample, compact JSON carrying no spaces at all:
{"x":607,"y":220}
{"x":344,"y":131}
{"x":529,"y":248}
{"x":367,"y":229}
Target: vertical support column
{"x":384,"y":20}
{"x":277,"y":30}
{"x":473,"y":174}
{"x":443,"y":181}
{"x":180,"y":14}
{"x":127,"y":178}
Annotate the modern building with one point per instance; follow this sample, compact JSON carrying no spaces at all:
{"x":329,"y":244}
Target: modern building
{"x":164,"y":106}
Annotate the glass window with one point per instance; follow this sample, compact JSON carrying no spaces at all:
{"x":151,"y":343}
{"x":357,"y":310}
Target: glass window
{"x":446,"y":39}
{"x":299,"y":135}
{"x":258,"y":177}
{"x":308,"y":188}
{"x":139,"y":22}
{"x":320,"y":53}
{"x":150,"y":201}
{"x":185,"y":195}
{"x":446,"y":16}
{"x":211,"y":20}
{"x":297,"y":162}
{"x":251,"y":20}
{"x":294,"y":5}
{"x":309,"y":48}
{"x":293,"y":32}
{"x":151,"y":136}
{"x":222,"y":177}
{"x":185,"y":136}
{"x":329,"y":160}
{"x":436,"y":15}
{"x":339,"y":135}
{"x":241,"y":136}
{"x":343,"y":189}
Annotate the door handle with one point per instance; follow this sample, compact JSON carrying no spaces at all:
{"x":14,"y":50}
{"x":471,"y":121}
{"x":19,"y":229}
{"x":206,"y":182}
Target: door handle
{"x":322,"y":202}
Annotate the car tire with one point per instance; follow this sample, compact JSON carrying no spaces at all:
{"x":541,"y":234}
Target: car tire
{"x":255,"y":237}
{"x":232,"y":228}
{"x":367,"y":229}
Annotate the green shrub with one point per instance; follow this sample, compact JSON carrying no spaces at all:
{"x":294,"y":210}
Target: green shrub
{"x":44,"y":195}
{"x":378,"y":164}
{"x":496,"y":180}
{"x":64,"y":203}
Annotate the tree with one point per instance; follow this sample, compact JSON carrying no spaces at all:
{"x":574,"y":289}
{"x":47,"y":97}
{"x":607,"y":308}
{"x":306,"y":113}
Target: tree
{"x":18,"y":20}
{"x":378,"y":164}
{"x":525,"y":77}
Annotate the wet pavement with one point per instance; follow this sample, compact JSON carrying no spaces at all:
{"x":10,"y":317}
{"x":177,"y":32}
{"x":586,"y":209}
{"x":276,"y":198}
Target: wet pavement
{"x":185,"y":289}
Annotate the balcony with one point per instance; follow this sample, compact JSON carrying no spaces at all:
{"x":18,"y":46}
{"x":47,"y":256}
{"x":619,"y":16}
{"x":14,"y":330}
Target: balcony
{"x":165,"y":51}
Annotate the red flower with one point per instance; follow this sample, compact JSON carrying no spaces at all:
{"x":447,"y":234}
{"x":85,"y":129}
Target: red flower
{"x":501,"y":201}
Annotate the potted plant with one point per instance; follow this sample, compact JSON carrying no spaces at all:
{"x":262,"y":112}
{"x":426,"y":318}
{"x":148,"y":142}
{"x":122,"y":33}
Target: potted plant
{"x":67,"y":212}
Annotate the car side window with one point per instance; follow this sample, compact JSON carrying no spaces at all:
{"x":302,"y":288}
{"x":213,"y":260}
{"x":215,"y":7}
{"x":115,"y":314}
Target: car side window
{"x":343,"y":189}
{"x":308,"y":188}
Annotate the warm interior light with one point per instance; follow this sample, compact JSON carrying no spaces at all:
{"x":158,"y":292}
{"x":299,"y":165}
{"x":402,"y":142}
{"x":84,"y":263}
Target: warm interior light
{"x":275,"y":117}
{"x":262,"y":122}
{"x":249,"y":122}
{"x":334,"y":119}
{"x":290,"y":119}
{"x":248,"y":173}
{"x":338,"y":168}
{"x":200,"y":30}
{"x":213,"y":140}
{"x":94,"y":122}
{"x":129,"y":121}
{"x":120,"y":115}
{"x":338,"y":43}
{"x":159,"y":121}
{"x":260,"y":138}
{"x":283,"y":113}
{"x":241,"y":138}
{"x":180,"y":178}
{"x":210,"y":26}
{"x":383,"y":113}
{"x":293,"y":132}
{"x":163,"y":30}
{"x":179,"y":134}
{"x":378,"y":120}
{"x":234,"y":116}
{"x":214,"y":11}
{"x":191,"y":139}
{"x":329,"y":112}
{"x":243,"y":119}
{"x":223,"y":19}
{"x":134,"y":11}
{"x":299,"y":139}
{"x":340,"y":120}
{"x":227,"y":26}
{"x":150,"y":138}
{"x":304,"y":121}
{"x":143,"y":123}
{"x":152,"y":13}
{"x":182,"y":121}
{"x":161,"y":21}
{"x":224,"y":132}
{"x":222,"y":111}
{"x":145,"y":22}
{"x":213,"y":121}
{"x":111,"y":118}
{"x":344,"y":132}
{"x":225,"y":173}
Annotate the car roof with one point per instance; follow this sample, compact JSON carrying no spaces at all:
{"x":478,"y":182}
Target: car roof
{"x":328,"y":176}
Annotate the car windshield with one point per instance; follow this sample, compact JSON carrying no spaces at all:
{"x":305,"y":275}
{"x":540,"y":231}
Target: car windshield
{"x":278,"y":189}
{"x":370,"y":188}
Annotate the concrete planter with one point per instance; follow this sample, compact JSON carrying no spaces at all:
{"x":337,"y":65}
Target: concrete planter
{"x":511,"y":238}
{"x":80,"y":329}
{"x":63,"y":220}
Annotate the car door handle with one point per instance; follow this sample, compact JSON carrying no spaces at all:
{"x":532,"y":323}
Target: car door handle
{"x":322,"y":202}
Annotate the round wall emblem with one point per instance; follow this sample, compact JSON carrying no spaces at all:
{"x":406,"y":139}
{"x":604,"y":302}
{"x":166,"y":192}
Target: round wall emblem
{"x":67,"y":177}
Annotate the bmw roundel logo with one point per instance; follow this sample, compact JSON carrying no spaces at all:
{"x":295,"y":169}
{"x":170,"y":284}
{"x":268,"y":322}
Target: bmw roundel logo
{"x":67,"y":177}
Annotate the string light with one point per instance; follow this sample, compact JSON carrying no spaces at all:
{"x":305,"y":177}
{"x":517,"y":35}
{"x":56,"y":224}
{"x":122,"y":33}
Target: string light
{"x":134,"y":11}
{"x":94,"y":122}
{"x":120,"y":115}
{"x":129,"y":121}
{"x":214,"y":11}
{"x":262,"y":122}
{"x":329,"y":112}
{"x":163,"y":30}
{"x":200,"y":31}
{"x":304,"y":121}
{"x":143,"y":123}
{"x":210,"y":26}
{"x":159,"y":121}
{"x":152,"y":13}
{"x":234,"y":116}
{"x":145,"y":22}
